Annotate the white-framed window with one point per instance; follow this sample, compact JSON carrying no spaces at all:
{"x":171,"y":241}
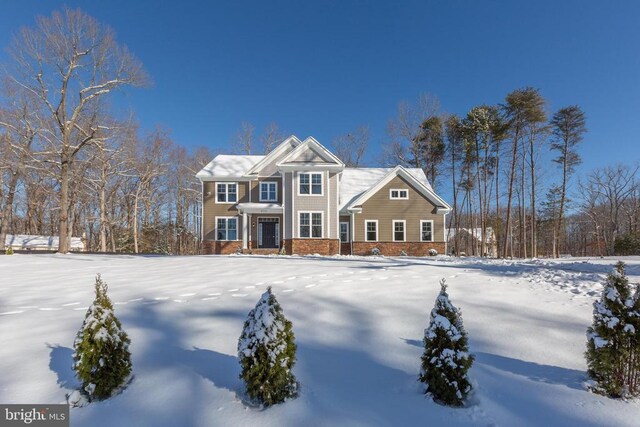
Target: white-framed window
{"x":399,"y":227}
{"x":344,"y":232}
{"x":310,"y":184}
{"x":426,"y":231}
{"x":310,"y":224}
{"x":226,"y":192}
{"x":371,"y":230}
{"x":398,"y":194}
{"x":226,"y":228}
{"x":269,"y":191}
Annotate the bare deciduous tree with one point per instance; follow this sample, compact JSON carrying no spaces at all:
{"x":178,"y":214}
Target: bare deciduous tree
{"x":350,"y":147}
{"x":70,"y":62}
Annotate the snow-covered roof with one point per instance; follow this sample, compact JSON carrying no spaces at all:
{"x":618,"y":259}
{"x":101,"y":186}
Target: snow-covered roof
{"x":355,"y":181}
{"x":225,"y":166}
{"x":28,"y":241}
{"x":475,"y":232}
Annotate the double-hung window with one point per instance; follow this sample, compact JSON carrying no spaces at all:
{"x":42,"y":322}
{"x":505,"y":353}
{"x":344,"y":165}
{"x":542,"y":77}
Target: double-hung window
{"x":226,"y":228}
{"x":398,"y":230}
{"x":426,"y":231}
{"x":268,"y":191}
{"x":227,"y":192}
{"x":371,"y":230}
{"x":310,"y":224}
{"x":398,"y":194}
{"x":310,"y":184}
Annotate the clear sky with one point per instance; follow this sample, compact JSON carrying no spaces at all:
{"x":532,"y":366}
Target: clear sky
{"x":322,"y":68}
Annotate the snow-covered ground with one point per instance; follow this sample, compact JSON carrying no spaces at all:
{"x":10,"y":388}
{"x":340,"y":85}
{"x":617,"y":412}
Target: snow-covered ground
{"x":358,"y":323}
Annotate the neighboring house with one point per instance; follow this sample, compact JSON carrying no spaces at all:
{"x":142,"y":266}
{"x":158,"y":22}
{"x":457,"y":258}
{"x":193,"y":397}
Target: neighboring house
{"x":469,"y":241}
{"x":28,"y":242}
{"x":301,"y":199}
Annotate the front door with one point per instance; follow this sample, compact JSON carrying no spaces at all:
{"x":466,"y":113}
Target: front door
{"x":268,"y":233}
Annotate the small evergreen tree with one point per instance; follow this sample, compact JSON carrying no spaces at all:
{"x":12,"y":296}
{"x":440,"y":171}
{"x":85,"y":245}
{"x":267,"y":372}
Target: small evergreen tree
{"x":9,"y":251}
{"x":101,"y":360}
{"x":613,"y":342}
{"x":267,"y":352}
{"x":446,"y":357}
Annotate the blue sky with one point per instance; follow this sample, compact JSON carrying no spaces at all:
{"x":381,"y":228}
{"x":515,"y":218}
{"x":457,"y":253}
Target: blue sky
{"x":323,"y":68}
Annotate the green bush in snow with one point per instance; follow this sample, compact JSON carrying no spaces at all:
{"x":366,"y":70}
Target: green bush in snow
{"x":267,"y":353}
{"x":8,"y":251}
{"x":101,"y":360}
{"x":446,"y":357}
{"x":613,"y":341}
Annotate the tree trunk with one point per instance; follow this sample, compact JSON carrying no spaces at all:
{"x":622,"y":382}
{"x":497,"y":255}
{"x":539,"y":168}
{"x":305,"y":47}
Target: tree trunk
{"x":63,"y":242}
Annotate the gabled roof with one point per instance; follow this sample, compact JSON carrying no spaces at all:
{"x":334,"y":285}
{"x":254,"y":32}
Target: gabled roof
{"x":285,"y":146}
{"x":225,"y":167}
{"x":310,"y":144}
{"x":415,"y":177}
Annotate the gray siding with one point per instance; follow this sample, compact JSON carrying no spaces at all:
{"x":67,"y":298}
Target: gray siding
{"x":416,"y":208}
{"x":211,"y":209}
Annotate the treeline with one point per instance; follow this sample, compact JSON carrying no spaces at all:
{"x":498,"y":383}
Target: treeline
{"x":69,"y":167}
{"x":510,"y":169}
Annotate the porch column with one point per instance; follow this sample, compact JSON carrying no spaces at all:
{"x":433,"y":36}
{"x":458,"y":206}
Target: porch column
{"x":245,"y":228}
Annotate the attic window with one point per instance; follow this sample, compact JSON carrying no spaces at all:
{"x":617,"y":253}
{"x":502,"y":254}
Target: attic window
{"x":398,"y":194}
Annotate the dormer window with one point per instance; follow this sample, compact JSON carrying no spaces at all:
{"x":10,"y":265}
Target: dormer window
{"x":310,"y":184}
{"x":268,"y":191}
{"x":398,"y":194}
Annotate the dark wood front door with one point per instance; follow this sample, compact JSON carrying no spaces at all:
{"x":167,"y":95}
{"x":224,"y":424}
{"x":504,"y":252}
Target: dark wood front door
{"x":269,"y":234}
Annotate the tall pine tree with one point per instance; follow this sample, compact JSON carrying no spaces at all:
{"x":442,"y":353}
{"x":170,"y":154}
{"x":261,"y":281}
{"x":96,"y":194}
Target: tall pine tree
{"x":613,"y":344}
{"x":267,"y":353}
{"x":101,"y":360}
{"x":446,"y":357}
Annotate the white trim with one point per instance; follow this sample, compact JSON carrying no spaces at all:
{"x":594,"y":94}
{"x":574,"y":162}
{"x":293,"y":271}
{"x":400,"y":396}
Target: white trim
{"x":294,"y":223}
{"x":312,"y":144}
{"x":290,"y":141}
{"x":366,"y":221}
{"x":404,"y":230}
{"x":399,"y":190}
{"x":215,"y":228}
{"x":441,"y":205}
{"x":226,"y":184}
{"x":258,"y":234}
{"x":311,"y":183}
{"x":260,"y":191}
{"x":311,"y":236}
{"x":328,"y":215}
{"x":348,"y":231}
{"x":432,"y":230}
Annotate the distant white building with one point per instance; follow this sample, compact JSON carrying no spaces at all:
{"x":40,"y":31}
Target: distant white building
{"x":41,"y":243}
{"x":469,"y":241}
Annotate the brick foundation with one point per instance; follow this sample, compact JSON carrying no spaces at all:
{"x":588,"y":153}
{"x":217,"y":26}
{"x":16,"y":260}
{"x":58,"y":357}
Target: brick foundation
{"x":345,"y":248}
{"x":396,"y":248}
{"x":215,"y":247}
{"x":312,"y":246}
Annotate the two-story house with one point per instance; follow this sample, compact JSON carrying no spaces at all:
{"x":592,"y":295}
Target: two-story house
{"x":300,"y":198}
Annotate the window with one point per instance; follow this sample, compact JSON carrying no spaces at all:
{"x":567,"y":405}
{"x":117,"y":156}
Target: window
{"x":371,"y":231}
{"x":310,"y":224}
{"x":310,"y":183}
{"x":268,"y":191}
{"x":344,"y":232}
{"x":397,"y":194}
{"x":227,"y":192}
{"x":398,"y":230}
{"x":426,"y":231}
{"x":226,"y":228}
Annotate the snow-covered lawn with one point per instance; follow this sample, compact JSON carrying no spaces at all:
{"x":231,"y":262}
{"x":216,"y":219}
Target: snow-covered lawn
{"x":358,"y":323}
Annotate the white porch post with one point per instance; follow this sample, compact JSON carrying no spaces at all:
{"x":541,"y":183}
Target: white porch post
{"x":245,"y":234}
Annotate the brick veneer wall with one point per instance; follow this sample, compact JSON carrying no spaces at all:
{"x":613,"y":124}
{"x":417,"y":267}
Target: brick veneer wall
{"x":396,"y":248}
{"x":312,"y":246}
{"x":216,"y":247}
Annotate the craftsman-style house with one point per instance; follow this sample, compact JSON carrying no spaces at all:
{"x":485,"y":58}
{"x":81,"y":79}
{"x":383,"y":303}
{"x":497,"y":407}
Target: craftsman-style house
{"x":301,"y":199}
